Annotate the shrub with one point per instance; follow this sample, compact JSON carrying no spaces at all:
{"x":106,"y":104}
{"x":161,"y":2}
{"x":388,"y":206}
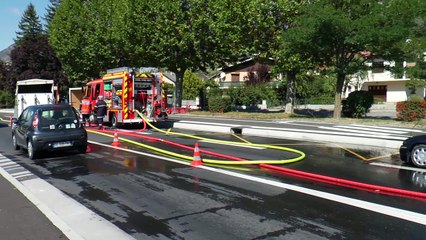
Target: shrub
{"x":415,"y":98}
{"x":6,"y":99}
{"x":217,"y":103}
{"x":251,"y":95}
{"x":357,"y":104}
{"x":410,"y":110}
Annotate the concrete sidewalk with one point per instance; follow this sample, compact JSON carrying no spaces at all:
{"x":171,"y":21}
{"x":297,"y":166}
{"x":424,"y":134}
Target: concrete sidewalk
{"x":21,"y":219}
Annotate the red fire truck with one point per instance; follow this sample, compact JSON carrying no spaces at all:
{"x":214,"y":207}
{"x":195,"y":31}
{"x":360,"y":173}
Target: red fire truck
{"x":128,"y":90}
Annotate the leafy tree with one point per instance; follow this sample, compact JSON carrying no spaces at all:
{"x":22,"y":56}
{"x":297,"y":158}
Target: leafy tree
{"x":34,"y":58}
{"x":5,"y":83}
{"x":29,"y":25}
{"x":90,"y":36}
{"x":7,"y":87}
{"x":50,"y":11}
{"x":192,"y":85}
{"x":335,"y":32}
{"x":291,"y":58}
{"x":258,"y":74}
{"x":82,"y":34}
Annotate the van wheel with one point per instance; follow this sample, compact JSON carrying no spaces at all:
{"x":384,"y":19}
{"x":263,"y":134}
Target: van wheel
{"x":32,"y":154}
{"x":15,"y":143}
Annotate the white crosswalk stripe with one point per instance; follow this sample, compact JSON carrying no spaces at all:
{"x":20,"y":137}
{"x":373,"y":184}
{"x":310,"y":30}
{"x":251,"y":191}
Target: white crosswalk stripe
{"x":371,"y":131}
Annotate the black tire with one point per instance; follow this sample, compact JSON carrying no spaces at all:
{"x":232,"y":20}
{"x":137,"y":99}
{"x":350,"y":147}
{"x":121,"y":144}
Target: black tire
{"x":418,"y":156}
{"x":15,"y":143}
{"x":113,"y":121}
{"x":32,"y":153}
{"x":82,"y":148}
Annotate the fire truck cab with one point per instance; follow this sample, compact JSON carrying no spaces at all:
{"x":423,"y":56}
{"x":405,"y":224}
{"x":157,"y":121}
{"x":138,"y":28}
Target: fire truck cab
{"x":128,"y":90}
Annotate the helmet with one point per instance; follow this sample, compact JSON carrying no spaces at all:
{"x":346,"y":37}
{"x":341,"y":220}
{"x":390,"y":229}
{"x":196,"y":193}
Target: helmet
{"x":100,"y":97}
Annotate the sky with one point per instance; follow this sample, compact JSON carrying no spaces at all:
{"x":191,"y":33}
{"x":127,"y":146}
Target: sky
{"x":11,"y":12}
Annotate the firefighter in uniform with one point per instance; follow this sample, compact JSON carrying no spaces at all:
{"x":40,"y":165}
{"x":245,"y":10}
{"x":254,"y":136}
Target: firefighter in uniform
{"x":101,"y":110}
{"x":85,"y":107}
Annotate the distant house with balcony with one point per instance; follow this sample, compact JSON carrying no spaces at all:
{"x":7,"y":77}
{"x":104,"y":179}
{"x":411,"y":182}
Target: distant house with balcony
{"x":385,"y":86}
{"x":241,"y":72}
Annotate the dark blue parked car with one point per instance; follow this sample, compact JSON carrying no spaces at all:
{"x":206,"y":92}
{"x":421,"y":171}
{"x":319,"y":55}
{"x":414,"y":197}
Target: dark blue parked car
{"x":48,"y":127}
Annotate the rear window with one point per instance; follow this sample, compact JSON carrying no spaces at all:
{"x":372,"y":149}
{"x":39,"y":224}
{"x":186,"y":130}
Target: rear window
{"x":59,"y":118}
{"x":35,"y":88}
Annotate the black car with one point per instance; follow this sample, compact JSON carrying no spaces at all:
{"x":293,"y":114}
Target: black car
{"x":48,"y":127}
{"x":413,"y":150}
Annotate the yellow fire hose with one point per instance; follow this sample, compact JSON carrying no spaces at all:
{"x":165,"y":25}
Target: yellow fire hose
{"x":212,"y":161}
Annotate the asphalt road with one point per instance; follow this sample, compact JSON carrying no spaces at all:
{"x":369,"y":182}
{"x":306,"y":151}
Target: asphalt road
{"x":153,"y":196}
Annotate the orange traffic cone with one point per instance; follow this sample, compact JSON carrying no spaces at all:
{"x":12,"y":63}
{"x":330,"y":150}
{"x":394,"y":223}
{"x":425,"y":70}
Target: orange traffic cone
{"x":197,"y":158}
{"x":115,"y":141}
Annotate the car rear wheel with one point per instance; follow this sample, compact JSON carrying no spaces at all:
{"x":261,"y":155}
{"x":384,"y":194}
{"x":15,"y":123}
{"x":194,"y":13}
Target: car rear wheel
{"x":418,"y":156}
{"x":32,"y":154}
{"x":82,"y":149}
{"x":15,"y":144}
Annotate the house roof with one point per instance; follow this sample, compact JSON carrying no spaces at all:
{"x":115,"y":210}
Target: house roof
{"x":247,"y":63}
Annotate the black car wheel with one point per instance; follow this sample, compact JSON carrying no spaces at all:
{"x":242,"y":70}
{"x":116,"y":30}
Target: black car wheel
{"x":15,"y":144}
{"x":418,"y":156}
{"x":32,"y":154}
{"x":82,"y":149}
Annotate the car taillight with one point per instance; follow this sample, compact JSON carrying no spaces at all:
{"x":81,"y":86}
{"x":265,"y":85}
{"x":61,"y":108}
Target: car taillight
{"x":35,"y":121}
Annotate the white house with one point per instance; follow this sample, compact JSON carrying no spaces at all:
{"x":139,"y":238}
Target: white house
{"x":382,"y":83}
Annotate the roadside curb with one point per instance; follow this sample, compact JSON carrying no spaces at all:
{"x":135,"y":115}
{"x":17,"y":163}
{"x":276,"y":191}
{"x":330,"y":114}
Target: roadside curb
{"x":293,"y":135}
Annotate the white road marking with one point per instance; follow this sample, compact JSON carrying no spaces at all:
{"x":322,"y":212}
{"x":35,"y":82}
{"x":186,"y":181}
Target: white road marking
{"x":7,"y":164}
{"x":374,"y":207}
{"x":19,"y":173}
{"x":370,"y":129}
{"x":364,"y":131}
{"x":24,"y":176}
{"x":389,"y":128}
{"x":12,"y":167}
{"x":230,"y":119}
{"x":398,"y":167}
{"x":340,"y":133}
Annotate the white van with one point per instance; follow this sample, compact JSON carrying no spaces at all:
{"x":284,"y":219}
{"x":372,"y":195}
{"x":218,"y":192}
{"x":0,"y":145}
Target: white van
{"x":33,"y":92}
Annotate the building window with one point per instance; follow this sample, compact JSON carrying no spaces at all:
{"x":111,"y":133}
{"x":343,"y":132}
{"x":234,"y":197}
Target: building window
{"x":378,"y":66}
{"x":235,"y":77}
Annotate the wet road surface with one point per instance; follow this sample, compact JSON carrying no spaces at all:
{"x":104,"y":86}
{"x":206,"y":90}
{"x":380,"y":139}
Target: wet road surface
{"x":150,"y":197}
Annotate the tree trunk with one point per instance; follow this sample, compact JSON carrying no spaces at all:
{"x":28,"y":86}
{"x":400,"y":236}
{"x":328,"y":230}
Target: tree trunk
{"x":178,"y":88}
{"x":338,"y":96}
{"x":291,"y":92}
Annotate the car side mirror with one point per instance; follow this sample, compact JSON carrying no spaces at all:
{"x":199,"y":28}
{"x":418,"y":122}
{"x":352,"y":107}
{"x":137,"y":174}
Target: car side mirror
{"x":15,"y":123}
